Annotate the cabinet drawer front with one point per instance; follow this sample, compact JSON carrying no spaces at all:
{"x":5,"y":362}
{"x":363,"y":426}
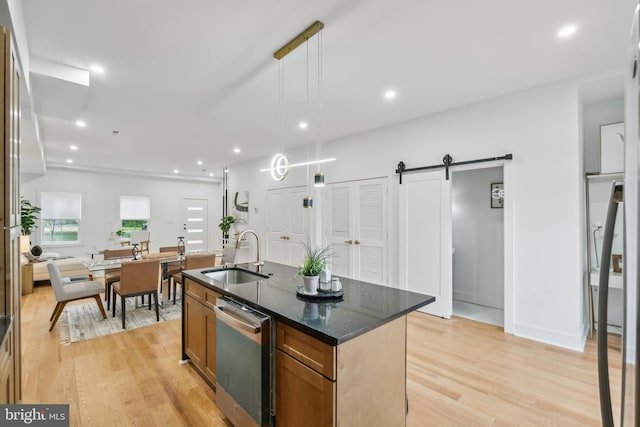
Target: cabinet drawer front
{"x":312,"y":352}
{"x":194,"y":289}
{"x":210,"y":298}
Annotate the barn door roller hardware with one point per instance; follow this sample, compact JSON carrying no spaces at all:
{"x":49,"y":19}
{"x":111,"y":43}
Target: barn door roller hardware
{"x":447,"y":161}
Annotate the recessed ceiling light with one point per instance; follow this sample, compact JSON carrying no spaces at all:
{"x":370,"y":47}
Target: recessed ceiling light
{"x":211,"y":174}
{"x":81,"y":123}
{"x":390,"y":94}
{"x":69,"y":161}
{"x":303,"y":125}
{"x":97,"y":69}
{"x":567,"y":31}
{"x":176,"y":171}
{"x":236,"y":150}
{"x":199,"y":162}
{"x":73,"y":147}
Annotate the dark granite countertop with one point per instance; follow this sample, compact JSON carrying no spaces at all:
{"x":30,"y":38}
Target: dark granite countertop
{"x":363,"y":307}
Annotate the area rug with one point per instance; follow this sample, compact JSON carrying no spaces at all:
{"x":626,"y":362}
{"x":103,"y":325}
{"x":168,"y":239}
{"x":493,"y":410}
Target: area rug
{"x":84,"y":321}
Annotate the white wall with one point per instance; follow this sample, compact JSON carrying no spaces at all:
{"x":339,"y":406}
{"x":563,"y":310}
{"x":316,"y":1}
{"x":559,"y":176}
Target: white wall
{"x":541,"y":128}
{"x":100,"y":204}
{"x":478,"y":238}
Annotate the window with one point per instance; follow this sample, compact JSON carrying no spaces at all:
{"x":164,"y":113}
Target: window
{"x":61,"y":215}
{"x":134,"y":214}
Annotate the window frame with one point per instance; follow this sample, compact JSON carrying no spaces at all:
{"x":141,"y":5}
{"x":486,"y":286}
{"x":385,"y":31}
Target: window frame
{"x":125,"y":235}
{"x":41,"y":221}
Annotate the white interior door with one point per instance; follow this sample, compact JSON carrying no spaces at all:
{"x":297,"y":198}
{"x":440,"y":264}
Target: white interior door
{"x":286,"y":225}
{"x":370,"y":240}
{"x":357,"y":229}
{"x":298,"y":220}
{"x":425,"y":238}
{"x":340,"y":233}
{"x":276,"y":233}
{"x":195,"y":224}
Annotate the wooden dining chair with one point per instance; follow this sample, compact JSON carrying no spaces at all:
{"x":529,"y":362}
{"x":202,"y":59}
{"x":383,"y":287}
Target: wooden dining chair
{"x":139,"y":277}
{"x":113,"y":276}
{"x":172,"y":267}
{"x":191,"y":262}
{"x":71,"y":291}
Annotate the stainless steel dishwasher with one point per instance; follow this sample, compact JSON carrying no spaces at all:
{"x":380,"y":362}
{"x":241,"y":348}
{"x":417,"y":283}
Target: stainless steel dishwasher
{"x":242,"y":363}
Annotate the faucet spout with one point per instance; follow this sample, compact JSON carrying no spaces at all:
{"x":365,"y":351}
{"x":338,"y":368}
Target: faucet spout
{"x":259,"y":263}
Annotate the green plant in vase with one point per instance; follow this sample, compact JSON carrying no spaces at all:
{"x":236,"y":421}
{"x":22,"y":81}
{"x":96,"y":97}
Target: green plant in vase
{"x":314,"y":262}
{"x":225,"y":225}
{"x":28,"y":216}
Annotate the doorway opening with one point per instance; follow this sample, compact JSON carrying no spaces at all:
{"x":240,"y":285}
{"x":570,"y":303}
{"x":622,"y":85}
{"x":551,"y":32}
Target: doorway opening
{"x":477,"y":205}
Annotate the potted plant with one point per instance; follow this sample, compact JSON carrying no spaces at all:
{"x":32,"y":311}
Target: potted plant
{"x":225,"y":225}
{"x":314,"y":262}
{"x":28,"y":216}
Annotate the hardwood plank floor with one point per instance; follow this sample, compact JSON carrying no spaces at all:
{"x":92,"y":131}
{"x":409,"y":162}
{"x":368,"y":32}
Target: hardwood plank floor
{"x":460,"y":373}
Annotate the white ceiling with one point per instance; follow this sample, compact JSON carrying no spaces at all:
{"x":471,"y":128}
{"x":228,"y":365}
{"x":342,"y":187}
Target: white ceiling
{"x":191,"y":80}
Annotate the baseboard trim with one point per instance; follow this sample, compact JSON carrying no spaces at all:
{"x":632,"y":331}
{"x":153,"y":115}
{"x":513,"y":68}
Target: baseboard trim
{"x":560,"y":339}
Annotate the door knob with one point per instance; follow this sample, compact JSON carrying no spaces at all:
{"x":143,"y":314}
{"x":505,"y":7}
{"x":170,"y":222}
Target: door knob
{"x":349,"y":242}
{"x":357,"y":242}
{"x":283,"y":237}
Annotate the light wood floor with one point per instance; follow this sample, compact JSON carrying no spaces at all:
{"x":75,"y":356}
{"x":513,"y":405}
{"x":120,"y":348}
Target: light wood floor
{"x":460,"y":373}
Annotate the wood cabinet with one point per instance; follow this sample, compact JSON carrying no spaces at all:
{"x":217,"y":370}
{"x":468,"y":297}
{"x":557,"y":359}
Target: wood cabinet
{"x":27,"y":278}
{"x":10,"y":292}
{"x":7,"y":386}
{"x":194,"y":333}
{"x":302,"y":394}
{"x":199,"y":333}
{"x":358,"y":229}
{"x":359,"y":382}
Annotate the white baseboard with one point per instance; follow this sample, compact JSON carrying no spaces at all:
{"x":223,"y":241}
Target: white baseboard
{"x":561,"y":339}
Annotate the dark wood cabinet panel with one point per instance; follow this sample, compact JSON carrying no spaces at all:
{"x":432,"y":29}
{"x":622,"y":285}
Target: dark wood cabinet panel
{"x":303,"y":396}
{"x":209,"y":367}
{"x":194,"y":333}
{"x":10,"y":270}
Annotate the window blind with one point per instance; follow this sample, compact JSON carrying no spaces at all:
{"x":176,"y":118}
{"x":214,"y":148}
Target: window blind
{"x":56,"y":205}
{"x":135,"y":207}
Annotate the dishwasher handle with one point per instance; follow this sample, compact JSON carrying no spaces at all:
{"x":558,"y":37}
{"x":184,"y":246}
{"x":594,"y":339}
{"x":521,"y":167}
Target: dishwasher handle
{"x":238,"y":322}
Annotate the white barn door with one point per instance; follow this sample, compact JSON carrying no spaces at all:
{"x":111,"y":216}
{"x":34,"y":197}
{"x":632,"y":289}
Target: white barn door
{"x":426,"y":237}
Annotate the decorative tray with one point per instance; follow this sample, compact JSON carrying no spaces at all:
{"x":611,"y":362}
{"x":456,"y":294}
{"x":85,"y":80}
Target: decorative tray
{"x":319,"y":295}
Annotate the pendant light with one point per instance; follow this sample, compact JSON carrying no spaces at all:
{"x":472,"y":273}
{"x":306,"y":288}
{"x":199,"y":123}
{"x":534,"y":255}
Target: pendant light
{"x":280,"y":165}
{"x":318,"y":178}
{"x":307,"y":202}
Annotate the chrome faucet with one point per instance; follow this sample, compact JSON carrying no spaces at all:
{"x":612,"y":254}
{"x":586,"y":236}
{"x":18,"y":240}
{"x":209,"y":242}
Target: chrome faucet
{"x":259,"y":263}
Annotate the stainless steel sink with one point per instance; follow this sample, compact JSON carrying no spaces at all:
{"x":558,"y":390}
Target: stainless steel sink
{"x":234,"y":276}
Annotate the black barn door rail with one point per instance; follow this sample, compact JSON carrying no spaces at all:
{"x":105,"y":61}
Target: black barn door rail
{"x":447,"y":162}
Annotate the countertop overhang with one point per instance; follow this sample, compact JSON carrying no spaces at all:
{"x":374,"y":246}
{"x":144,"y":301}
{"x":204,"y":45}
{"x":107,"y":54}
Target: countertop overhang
{"x":364,"y":306}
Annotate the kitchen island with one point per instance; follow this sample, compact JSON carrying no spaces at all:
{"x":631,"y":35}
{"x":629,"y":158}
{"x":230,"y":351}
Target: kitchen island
{"x":337,"y":362}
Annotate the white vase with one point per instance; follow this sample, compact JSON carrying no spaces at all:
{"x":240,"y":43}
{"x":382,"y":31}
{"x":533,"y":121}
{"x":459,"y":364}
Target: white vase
{"x":311,"y":284}
{"x":325,"y":280}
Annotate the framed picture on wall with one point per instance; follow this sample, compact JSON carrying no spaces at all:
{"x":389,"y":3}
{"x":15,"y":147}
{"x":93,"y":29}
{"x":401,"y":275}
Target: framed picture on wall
{"x":240,"y":206}
{"x":497,"y":195}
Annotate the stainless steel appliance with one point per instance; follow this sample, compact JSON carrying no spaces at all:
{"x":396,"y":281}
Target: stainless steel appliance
{"x":242,"y":363}
{"x":628,"y":412}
